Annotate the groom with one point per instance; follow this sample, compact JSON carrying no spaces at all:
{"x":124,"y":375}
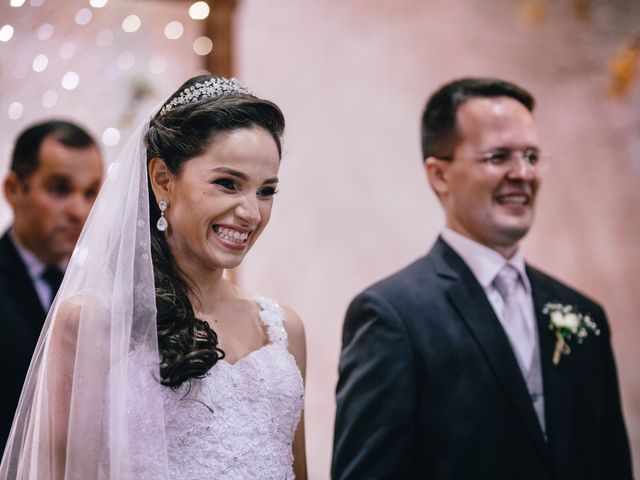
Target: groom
{"x":449,"y":368}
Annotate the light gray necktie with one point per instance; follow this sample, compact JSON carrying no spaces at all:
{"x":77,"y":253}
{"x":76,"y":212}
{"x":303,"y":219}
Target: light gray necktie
{"x":513,"y":318}
{"x":521,"y":337}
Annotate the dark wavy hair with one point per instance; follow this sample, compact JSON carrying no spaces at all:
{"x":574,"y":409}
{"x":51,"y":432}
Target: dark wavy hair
{"x":189,"y":346}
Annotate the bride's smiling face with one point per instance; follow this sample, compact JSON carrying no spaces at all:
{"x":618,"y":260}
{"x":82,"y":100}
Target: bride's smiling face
{"x":220,"y":201}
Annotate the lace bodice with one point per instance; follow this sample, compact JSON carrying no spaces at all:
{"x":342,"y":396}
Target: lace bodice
{"x":238,"y":421}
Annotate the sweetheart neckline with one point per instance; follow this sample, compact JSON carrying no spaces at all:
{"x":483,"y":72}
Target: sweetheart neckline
{"x":248,"y":355}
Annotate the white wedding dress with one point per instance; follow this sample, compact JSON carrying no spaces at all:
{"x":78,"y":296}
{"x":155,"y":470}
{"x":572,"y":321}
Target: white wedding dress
{"x":237,"y":422}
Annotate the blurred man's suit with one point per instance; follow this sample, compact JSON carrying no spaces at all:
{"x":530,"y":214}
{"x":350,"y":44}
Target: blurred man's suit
{"x":22,"y":315}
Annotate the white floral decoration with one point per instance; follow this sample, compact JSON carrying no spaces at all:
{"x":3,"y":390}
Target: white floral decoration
{"x":567,"y":323}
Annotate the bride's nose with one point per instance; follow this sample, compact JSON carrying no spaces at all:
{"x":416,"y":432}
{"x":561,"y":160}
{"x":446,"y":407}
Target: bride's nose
{"x":248,"y":211}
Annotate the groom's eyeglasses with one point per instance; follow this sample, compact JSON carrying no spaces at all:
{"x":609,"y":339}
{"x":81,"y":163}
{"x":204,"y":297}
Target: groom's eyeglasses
{"x":506,"y":160}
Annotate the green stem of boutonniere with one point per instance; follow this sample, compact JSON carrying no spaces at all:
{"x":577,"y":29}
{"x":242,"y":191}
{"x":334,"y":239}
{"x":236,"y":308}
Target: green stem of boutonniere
{"x":561,"y":348}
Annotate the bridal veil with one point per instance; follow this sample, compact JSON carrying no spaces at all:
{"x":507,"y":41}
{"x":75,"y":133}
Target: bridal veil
{"x":91,"y":406}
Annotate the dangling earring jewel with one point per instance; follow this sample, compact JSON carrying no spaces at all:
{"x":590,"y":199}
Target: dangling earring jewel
{"x":162,"y":224}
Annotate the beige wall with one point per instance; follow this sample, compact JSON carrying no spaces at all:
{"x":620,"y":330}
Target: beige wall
{"x":352,"y":78}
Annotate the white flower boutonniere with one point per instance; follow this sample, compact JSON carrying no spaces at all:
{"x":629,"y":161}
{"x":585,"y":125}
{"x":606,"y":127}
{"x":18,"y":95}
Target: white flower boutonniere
{"x":566,"y":322}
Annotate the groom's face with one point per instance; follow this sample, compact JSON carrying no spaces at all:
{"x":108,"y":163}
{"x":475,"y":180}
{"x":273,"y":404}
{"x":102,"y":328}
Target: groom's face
{"x":490,"y":189}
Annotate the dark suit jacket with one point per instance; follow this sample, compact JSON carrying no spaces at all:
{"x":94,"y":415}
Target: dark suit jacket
{"x":430,"y":388}
{"x":21,"y":319}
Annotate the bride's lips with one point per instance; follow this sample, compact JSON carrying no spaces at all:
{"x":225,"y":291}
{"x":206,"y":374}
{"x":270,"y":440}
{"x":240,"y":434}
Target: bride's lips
{"x":232,"y":237}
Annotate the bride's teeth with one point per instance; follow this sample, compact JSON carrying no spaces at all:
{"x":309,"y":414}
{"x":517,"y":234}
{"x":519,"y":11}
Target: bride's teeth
{"x":229,"y":234}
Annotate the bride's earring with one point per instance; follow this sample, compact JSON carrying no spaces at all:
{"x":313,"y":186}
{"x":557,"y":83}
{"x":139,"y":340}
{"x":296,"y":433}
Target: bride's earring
{"x":162,"y":224}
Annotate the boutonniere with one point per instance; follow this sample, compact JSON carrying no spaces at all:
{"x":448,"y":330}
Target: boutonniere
{"x":566,"y":322}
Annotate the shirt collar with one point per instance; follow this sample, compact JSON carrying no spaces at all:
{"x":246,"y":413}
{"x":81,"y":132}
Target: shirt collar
{"x":484,"y":262}
{"x":34,"y":265}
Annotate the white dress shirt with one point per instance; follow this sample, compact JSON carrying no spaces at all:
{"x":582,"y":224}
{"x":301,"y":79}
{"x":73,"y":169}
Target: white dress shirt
{"x":485,"y":264}
{"x":35,"y":268}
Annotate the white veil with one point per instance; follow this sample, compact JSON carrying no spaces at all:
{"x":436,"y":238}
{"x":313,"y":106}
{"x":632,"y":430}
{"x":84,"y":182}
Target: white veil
{"x":91,"y":406}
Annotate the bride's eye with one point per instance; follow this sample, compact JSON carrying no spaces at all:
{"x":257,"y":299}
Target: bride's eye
{"x":267,"y":192}
{"x":226,"y":183}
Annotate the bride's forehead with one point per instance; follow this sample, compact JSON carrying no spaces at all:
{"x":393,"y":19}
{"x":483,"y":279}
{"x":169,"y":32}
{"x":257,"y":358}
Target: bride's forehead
{"x":242,"y":139}
{"x":246,"y":149}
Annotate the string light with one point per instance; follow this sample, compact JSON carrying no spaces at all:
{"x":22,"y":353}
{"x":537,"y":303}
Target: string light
{"x":15,"y":110}
{"x":49,"y":99}
{"x":111,"y":137}
{"x":131,"y":24}
{"x":104,"y":38}
{"x":199,"y":10}
{"x":173,"y":30}
{"x":202,"y":45}
{"x":6,"y":32}
{"x":126,"y":61}
{"x":45,"y":31}
{"x":70,"y":80}
{"x":83,"y":16}
{"x":67,"y":50}
{"x":40,"y":63}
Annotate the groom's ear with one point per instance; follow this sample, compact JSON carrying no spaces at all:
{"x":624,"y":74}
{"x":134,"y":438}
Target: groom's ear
{"x":160,"y":177}
{"x":436,"y":170}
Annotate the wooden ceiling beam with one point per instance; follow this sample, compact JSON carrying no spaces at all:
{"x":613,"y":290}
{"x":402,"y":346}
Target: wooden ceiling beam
{"x":219,"y":28}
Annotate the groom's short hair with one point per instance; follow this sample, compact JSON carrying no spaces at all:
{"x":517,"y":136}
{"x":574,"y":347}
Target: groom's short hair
{"x":26,"y":154}
{"x":439,"y":129}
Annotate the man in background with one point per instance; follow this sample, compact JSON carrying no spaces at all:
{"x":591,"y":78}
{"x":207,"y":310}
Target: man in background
{"x":55,"y":174}
{"x":469,"y":363}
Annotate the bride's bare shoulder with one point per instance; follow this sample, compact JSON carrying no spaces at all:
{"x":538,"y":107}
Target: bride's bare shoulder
{"x":68,"y":314}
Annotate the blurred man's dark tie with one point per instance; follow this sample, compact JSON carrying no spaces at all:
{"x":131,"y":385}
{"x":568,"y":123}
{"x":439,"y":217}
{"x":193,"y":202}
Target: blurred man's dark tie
{"x":53,"y":276}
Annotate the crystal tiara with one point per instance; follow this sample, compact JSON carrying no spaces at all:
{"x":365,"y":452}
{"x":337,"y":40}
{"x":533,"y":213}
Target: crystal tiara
{"x":215,"y":87}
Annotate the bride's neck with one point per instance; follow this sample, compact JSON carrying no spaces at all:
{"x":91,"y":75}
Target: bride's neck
{"x":206,"y":294}
{"x":207,"y":286}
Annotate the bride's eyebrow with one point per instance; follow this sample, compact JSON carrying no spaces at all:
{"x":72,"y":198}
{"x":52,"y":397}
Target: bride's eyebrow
{"x":241,"y":175}
{"x":232,"y":172}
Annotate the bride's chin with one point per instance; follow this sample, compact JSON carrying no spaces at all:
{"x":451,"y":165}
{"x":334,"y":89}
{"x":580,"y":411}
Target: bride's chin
{"x":228,"y":261}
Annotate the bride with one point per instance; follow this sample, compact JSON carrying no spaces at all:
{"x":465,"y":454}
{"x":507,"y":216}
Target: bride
{"x":152,"y":365}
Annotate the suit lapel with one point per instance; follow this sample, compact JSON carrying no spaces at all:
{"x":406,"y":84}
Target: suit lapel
{"x":557,"y":392}
{"x":468,"y":298}
{"x":20,"y":288}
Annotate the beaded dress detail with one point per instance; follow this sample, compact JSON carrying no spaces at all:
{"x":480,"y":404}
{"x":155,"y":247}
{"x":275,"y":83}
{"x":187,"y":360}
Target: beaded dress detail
{"x":239,"y":420}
